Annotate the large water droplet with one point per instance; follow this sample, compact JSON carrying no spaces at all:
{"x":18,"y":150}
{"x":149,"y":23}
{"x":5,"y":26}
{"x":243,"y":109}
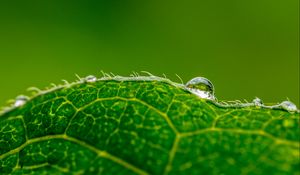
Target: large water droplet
{"x":257,"y":102}
{"x":289,"y":106}
{"x":21,"y":100}
{"x":90,"y":79}
{"x":202,"y":87}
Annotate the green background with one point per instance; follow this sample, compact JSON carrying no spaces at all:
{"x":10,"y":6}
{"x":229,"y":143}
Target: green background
{"x":246,"y":48}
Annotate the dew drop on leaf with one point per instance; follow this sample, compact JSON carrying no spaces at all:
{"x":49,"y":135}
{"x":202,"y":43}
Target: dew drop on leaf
{"x":90,"y":79}
{"x":21,"y":100}
{"x":257,"y":102}
{"x":289,"y":106}
{"x":202,"y":87}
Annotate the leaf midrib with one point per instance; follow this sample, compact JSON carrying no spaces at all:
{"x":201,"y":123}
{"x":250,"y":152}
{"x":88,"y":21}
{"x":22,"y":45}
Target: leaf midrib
{"x":107,"y":155}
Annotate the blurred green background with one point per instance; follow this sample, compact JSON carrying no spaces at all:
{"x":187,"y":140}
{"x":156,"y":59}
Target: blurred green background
{"x":246,"y":48}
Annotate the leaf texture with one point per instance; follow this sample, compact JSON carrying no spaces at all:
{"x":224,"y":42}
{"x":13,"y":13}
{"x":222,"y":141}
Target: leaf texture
{"x":149,"y":126}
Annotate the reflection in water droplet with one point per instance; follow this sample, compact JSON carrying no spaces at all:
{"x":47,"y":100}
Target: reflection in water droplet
{"x":289,"y":106}
{"x":257,"y":102}
{"x":20,"y":100}
{"x":91,"y":79}
{"x":202,"y":87}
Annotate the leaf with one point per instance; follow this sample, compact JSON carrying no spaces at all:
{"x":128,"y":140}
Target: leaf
{"x":144,"y":126}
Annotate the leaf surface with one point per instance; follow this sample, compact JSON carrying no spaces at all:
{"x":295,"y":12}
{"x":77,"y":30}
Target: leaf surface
{"x":144,"y":126}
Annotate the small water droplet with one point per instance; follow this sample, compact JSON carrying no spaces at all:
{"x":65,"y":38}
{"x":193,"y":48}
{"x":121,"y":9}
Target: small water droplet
{"x":202,"y":87}
{"x":289,"y":106}
{"x":21,"y":100}
{"x":90,"y":79}
{"x":257,"y":102}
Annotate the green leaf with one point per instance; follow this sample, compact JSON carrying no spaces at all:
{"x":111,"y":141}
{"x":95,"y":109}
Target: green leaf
{"x":144,"y":125}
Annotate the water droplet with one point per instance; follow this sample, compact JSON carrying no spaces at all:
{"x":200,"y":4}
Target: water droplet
{"x":90,"y":79}
{"x":202,"y":87}
{"x":21,"y":100}
{"x":289,"y":106}
{"x":257,"y":102}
